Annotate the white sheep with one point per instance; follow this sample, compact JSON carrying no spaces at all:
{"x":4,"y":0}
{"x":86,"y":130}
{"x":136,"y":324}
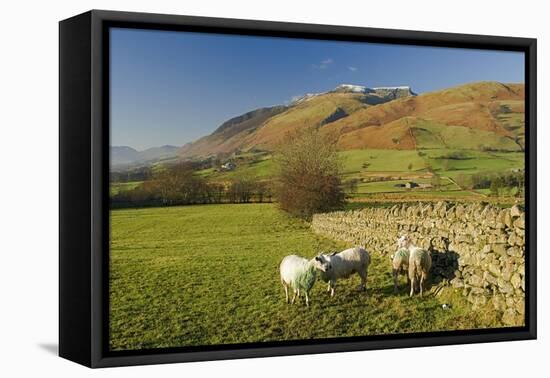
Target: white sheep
{"x":344,"y":264}
{"x":400,"y":265}
{"x":300,"y":274}
{"x":420,"y":262}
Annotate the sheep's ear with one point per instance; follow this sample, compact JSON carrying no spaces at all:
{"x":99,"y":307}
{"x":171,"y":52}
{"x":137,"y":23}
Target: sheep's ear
{"x":317,"y":258}
{"x":333,"y":253}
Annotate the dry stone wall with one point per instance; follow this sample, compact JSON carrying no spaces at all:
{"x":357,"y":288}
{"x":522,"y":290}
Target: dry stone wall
{"x":476,"y":248}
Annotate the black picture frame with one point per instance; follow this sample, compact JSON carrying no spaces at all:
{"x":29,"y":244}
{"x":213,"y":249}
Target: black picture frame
{"x":84,"y":186}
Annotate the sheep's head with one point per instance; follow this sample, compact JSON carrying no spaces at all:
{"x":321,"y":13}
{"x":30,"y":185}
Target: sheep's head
{"x":404,"y":241}
{"x":322,"y":263}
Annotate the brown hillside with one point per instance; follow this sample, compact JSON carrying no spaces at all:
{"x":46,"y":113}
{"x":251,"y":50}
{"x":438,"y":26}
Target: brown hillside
{"x":491,"y":108}
{"x":474,"y":115}
{"x":230,"y":135}
{"x":395,"y":135}
{"x":474,"y":106}
{"x":308,"y":113}
{"x":477,"y":94}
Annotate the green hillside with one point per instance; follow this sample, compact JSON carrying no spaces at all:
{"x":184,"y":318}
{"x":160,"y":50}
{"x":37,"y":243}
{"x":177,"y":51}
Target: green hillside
{"x":430,"y":135}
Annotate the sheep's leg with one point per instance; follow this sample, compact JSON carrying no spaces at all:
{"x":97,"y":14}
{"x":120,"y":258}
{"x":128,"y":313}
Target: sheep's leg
{"x":363,"y":275}
{"x":366,"y":279}
{"x":307,"y":299}
{"x":286,"y":292}
{"x":394,"y":272}
{"x":423,"y":280}
{"x":329,"y":286}
{"x":332,"y":287}
{"x":294,"y":297}
{"x":412,"y":278}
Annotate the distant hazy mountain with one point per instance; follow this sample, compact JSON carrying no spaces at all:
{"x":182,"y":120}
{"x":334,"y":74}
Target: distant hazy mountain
{"x":124,"y":155}
{"x":156,"y":153}
{"x":483,"y":115}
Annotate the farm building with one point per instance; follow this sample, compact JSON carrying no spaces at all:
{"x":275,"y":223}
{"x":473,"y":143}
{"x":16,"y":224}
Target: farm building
{"x":229,"y":166}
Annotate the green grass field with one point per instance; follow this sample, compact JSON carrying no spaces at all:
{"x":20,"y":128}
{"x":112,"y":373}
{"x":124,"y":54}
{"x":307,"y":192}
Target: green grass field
{"x":433,"y":135}
{"x":251,"y":165}
{"x":399,"y":167}
{"x":474,"y":162}
{"x":202,"y":275}
{"x":378,"y":171}
{"x":118,"y":187}
{"x":381,"y":160}
{"x":392,"y":161}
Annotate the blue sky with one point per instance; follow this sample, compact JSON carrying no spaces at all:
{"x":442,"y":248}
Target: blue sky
{"x":174,"y":87}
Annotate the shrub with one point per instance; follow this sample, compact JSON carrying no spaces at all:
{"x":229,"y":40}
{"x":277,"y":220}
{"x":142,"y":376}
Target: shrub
{"x":350,"y":186}
{"x":456,"y":155}
{"x":308,"y":173}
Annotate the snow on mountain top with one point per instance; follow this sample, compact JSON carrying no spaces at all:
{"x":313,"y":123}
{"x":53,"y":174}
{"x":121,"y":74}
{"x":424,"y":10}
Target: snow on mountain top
{"x":406,"y":87}
{"x":306,"y":97}
{"x":353,"y":88}
{"x":363,"y":89}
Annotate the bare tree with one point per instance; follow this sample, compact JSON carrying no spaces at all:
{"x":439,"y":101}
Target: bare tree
{"x":263,"y":192}
{"x":179,"y":185}
{"x":215,"y":192}
{"x":308,"y":173}
{"x":242,"y":189}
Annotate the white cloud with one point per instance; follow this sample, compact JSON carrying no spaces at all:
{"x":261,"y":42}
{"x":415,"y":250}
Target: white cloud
{"x":325,"y":63}
{"x":352,"y":69}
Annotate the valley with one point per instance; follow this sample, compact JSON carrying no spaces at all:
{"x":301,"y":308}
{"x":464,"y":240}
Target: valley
{"x":394,"y":144}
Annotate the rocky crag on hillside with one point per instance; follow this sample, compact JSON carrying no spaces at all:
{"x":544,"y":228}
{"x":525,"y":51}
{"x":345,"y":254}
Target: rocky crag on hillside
{"x":477,"y":249}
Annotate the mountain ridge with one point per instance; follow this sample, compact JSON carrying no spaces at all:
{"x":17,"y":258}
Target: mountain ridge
{"x":365,"y":117}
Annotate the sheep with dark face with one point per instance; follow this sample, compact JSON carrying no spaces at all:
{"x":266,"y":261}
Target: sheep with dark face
{"x":300,"y":274}
{"x":420,"y":262}
{"x":344,"y":264}
{"x":400,"y":265}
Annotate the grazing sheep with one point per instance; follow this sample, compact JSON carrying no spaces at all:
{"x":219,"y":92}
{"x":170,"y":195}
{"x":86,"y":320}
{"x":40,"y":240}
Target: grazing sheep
{"x":420,"y":262}
{"x":343,"y":265}
{"x":300,"y":274}
{"x":400,"y":264}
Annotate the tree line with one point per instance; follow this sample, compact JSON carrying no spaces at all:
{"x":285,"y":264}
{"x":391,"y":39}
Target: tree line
{"x":180,"y":184}
{"x":499,"y":184}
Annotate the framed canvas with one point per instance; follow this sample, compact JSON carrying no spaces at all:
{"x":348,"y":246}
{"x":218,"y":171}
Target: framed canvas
{"x":235,"y":188}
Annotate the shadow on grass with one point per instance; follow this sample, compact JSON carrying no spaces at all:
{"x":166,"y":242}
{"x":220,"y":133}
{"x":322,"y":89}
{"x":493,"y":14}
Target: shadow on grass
{"x":385,"y":291}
